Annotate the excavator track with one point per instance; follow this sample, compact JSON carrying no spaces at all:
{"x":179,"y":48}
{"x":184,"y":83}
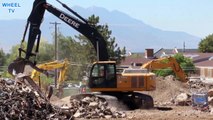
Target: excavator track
{"x":133,"y":100}
{"x":126,"y":100}
{"x":137,"y":100}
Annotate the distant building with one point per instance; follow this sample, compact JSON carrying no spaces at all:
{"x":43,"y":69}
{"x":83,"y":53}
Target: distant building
{"x":202,"y":61}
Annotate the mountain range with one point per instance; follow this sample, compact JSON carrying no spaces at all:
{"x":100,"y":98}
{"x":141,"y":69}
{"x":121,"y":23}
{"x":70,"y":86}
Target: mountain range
{"x":132,"y":33}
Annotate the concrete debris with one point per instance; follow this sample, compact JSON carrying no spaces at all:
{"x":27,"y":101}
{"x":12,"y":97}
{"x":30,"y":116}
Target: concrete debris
{"x":210,"y":101}
{"x":93,"y":104}
{"x":108,"y":116}
{"x":210,"y":97}
{"x":196,"y":84}
{"x":210,"y":92}
{"x":93,"y":107}
{"x":170,"y":77}
{"x":183,"y":99}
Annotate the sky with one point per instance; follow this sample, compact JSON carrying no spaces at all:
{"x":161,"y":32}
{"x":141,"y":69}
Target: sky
{"x":192,"y":16}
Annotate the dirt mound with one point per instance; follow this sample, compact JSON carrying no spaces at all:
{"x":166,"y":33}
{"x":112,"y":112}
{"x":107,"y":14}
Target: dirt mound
{"x":167,"y":88}
{"x":54,"y":98}
{"x":60,"y":102}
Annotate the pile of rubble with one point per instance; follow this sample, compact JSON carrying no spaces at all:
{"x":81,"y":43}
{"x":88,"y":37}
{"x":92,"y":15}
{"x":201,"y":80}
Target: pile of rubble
{"x":170,"y":91}
{"x":21,"y":99}
{"x":199,"y":96}
{"x":91,"y":106}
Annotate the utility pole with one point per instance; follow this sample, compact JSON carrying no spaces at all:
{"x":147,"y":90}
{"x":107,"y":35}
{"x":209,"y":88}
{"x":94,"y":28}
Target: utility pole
{"x":56,"y":49}
{"x":97,"y":50}
{"x":184,"y":47}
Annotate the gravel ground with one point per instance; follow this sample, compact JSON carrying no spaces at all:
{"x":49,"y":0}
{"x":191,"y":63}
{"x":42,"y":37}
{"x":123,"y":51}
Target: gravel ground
{"x":177,"y":113}
{"x":167,"y":89}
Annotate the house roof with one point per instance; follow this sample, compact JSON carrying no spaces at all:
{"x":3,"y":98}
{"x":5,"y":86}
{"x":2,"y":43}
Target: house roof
{"x":161,"y":51}
{"x":136,"y":58}
{"x":199,"y":59}
{"x":207,"y":63}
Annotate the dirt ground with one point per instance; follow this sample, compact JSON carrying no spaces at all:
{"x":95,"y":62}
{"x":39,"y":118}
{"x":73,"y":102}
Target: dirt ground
{"x":167,"y":89}
{"x":177,"y":113}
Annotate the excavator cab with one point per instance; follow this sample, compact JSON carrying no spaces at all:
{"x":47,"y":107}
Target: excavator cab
{"x":105,"y":78}
{"x":103,"y":75}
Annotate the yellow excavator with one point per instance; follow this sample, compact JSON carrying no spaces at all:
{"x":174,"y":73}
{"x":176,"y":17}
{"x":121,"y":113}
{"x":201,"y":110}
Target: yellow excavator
{"x":126,"y":86}
{"x":61,"y":66}
{"x":166,"y":62}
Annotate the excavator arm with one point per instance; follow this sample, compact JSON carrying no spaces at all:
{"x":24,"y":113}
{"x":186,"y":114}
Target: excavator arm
{"x":168,"y":62}
{"x":78,"y":23}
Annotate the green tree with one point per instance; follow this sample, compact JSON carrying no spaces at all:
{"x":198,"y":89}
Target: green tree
{"x":73,"y":50}
{"x":14,"y":53}
{"x":2,"y":58}
{"x":45,"y":52}
{"x":2,"y":62}
{"x":206,"y":44}
{"x":186,"y":63}
{"x":69,"y":48}
{"x":114,"y":51}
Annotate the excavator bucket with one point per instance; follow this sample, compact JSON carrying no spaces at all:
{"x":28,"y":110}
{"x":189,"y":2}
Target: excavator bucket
{"x":16,"y":69}
{"x":17,"y":66}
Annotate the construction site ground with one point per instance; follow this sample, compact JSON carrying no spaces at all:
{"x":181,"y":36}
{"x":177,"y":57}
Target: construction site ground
{"x":177,"y":113}
{"x":167,"y":89}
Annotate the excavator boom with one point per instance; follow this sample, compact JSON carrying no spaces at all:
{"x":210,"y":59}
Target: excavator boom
{"x":168,"y":62}
{"x":61,"y":65}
